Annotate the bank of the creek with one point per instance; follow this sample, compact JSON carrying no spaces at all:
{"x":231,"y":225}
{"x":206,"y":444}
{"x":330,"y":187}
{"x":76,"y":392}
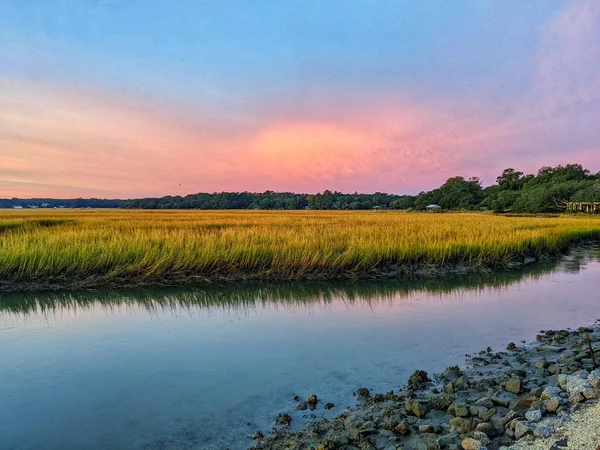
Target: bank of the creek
{"x":523,"y":394}
{"x":206,"y":368}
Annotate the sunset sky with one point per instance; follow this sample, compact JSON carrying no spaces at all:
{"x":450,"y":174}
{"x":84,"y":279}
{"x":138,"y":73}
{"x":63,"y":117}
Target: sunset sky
{"x":121,"y":99}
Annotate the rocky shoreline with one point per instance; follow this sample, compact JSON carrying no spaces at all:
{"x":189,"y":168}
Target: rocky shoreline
{"x":524,"y":397}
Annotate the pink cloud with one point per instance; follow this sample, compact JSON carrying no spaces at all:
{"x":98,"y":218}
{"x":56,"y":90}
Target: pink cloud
{"x":66,"y":141}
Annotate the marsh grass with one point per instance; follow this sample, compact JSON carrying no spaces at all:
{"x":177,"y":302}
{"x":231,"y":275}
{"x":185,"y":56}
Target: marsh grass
{"x":87,"y":249}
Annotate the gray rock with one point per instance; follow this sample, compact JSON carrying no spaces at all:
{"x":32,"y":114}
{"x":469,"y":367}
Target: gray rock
{"x":543,"y":432}
{"x":522,"y":429}
{"x":594,"y":378}
{"x":534,"y":416}
{"x":448,"y":439}
{"x":485,"y":401}
{"x":302,"y":406}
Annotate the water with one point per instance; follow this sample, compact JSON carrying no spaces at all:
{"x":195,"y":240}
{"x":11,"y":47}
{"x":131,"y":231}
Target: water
{"x":206,"y":368}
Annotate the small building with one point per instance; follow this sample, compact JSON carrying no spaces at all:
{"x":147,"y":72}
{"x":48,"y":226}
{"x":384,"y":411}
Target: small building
{"x":17,"y":207}
{"x":433,"y":208}
{"x":377,"y":208}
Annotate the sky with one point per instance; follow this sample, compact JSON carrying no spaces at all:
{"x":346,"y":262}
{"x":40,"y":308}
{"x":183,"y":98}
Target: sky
{"x":124,"y":99}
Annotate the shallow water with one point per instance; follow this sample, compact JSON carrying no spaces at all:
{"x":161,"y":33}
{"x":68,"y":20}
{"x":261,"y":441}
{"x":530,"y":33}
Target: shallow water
{"x":206,"y":368}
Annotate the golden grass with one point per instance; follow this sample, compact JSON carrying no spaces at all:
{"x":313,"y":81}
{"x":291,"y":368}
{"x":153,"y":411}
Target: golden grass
{"x":41,"y":249}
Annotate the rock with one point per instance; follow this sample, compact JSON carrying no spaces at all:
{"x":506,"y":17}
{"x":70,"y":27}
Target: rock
{"x":312,"y":401}
{"x":363,"y":393}
{"x":543,"y":432}
{"x":485,"y":401}
{"x":479,"y":411}
{"x":460,"y":410}
{"x":511,"y":346}
{"x":501,"y":401}
{"x":329,"y":405}
{"x":576,"y":398}
{"x":594,"y":378}
{"x":510,"y":416}
{"x":440,"y":402}
{"x":459,"y":424}
{"x":462,"y":382}
{"x":553,"y":404}
{"x":283,"y":419}
{"x":448,"y":439}
{"x":550,"y":392}
{"x":302,"y":406}
{"x":402,"y":429}
{"x":534,"y":416}
{"x":576,"y":385}
{"x":552,"y":369}
{"x":521,"y":404}
{"x":449,"y":388}
{"x":418,"y":380}
{"x":419,"y":409}
{"x":482,"y":437}
{"x":257,"y":436}
{"x":513,"y":385}
{"x":550,"y":348}
{"x":471,"y":444}
{"x":562,"y":380}
{"x":521,"y":429}
{"x":540,"y":365}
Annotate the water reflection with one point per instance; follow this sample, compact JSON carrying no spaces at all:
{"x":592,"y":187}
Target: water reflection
{"x":241,"y":296}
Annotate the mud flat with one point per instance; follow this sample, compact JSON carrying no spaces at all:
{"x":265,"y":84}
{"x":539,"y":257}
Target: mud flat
{"x":541,"y":395}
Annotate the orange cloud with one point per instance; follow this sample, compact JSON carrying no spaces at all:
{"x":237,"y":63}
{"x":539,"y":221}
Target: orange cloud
{"x":63,"y":141}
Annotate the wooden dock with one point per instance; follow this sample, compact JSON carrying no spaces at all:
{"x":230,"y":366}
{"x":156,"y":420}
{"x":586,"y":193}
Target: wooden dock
{"x":586,"y":207}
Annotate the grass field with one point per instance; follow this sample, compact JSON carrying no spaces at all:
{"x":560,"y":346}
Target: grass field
{"x":89,"y":249}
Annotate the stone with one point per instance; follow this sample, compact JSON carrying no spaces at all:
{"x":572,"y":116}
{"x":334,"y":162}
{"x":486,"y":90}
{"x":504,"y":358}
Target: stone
{"x":419,"y":409}
{"x":302,"y":406}
{"x":513,"y":385}
{"x":576,"y":385}
{"x":550,"y":392}
{"x":440,"y":402}
{"x":553,"y":404}
{"x":543,"y":432}
{"x":312,"y":402}
{"x":459,"y":424}
{"x":500,"y":401}
{"x":482,"y":437}
{"x":283,"y":419}
{"x":402,"y":429}
{"x":448,"y":439}
{"x":594,"y":378}
{"x":576,"y":398}
{"x":534,"y":416}
{"x":471,"y":444}
{"x":479,"y":411}
{"x":521,"y":429}
{"x":485,"y":401}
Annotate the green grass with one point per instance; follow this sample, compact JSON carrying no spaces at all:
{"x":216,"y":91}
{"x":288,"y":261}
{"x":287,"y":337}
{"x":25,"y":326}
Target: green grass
{"x":86,"y":249}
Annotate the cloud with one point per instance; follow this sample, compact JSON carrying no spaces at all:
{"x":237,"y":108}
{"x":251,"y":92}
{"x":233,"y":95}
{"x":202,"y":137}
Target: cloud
{"x":58,"y":140}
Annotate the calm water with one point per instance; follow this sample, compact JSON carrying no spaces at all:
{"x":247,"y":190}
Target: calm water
{"x":205,"y":368}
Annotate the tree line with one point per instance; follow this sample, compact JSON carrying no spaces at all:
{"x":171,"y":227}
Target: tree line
{"x":514,"y":191}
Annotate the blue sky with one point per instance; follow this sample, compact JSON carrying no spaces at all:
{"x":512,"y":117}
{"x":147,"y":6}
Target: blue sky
{"x":291,"y":95}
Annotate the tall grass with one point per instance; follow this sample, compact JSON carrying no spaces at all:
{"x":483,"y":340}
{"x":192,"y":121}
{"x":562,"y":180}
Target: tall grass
{"x":43,"y":249}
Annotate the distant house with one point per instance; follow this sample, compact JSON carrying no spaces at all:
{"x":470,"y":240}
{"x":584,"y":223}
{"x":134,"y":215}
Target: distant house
{"x":45,"y":205}
{"x":377,"y":208}
{"x":433,"y":208}
{"x":17,"y":207}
